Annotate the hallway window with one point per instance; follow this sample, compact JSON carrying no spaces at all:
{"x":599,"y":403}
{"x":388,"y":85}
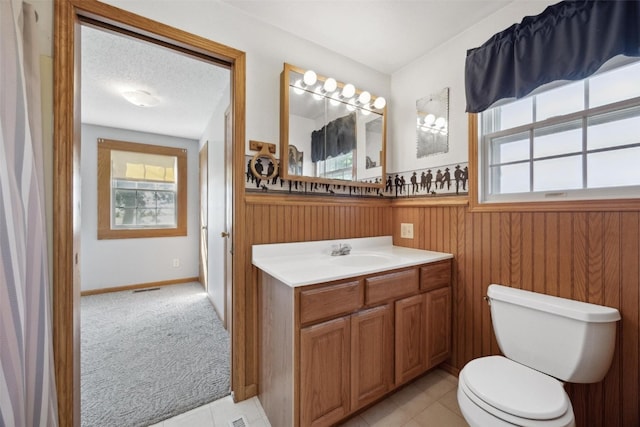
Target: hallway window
{"x":141,"y":190}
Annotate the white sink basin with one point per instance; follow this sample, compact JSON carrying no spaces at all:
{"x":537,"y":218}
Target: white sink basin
{"x":361,"y":260}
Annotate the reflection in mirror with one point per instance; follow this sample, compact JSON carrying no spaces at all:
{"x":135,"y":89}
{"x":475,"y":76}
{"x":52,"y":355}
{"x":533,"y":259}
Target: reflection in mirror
{"x":432,"y":129}
{"x":342,"y":131}
{"x":295,"y":160}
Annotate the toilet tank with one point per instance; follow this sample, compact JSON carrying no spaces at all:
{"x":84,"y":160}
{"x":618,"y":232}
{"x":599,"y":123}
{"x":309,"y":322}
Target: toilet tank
{"x":570,"y":340}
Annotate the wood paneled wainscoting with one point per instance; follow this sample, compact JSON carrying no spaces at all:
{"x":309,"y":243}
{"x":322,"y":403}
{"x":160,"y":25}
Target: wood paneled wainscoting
{"x":587,"y":256}
{"x":283,"y":219}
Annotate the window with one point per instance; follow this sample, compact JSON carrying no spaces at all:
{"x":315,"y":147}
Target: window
{"x":579,"y":141}
{"x":142,"y":190}
{"x":338,"y":167}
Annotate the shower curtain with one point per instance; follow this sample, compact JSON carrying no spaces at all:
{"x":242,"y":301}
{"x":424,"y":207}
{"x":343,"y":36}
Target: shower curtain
{"x":27,"y":383}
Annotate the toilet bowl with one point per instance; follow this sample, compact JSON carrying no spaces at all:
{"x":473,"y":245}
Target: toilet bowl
{"x":546,"y":341}
{"x":495,"y":391}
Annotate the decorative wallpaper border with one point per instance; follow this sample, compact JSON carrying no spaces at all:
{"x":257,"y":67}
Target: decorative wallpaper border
{"x":445,"y":180}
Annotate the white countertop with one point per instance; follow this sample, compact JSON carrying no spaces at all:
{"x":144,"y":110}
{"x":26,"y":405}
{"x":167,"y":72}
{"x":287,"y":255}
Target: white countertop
{"x":306,"y":263}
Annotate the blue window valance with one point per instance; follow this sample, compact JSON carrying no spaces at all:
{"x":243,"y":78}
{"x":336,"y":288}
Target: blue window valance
{"x":336,"y":138}
{"x":567,"y":41}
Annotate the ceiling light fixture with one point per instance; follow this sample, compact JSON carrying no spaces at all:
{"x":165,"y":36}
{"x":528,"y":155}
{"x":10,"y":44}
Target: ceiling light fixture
{"x":141,"y":98}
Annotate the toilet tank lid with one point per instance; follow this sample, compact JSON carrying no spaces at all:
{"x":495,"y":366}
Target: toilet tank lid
{"x":561,"y":306}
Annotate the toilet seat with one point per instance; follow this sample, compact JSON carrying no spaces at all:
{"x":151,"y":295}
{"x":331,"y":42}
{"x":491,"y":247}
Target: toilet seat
{"x":515,"y":393}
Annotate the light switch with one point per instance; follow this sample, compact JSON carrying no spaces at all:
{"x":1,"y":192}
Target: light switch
{"x":406,"y":230}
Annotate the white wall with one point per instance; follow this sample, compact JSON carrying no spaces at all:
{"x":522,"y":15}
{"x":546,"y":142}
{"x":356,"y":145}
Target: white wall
{"x":120,"y":262}
{"x":443,"y":67}
{"x":214,"y":135}
{"x":267,"y":48}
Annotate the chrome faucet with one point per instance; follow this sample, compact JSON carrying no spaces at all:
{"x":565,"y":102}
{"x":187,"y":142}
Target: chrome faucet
{"x":340,"y":249}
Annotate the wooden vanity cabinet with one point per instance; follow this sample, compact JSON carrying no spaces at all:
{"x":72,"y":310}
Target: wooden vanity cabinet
{"x":324,"y":372}
{"x":371,"y":354}
{"x":410,"y":338}
{"x":331,"y":349}
{"x":438,"y":332}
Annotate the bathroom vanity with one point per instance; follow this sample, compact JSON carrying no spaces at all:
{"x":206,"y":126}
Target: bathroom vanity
{"x":339,"y":332}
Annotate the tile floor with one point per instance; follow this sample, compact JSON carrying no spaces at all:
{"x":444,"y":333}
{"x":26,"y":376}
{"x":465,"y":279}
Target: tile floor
{"x":429,"y":401}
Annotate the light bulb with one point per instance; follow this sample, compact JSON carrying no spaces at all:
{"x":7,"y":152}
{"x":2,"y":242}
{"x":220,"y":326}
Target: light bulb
{"x":351,"y":105}
{"x":364,"y":97}
{"x":348,"y":90}
{"x":429,"y":119}
{"x":365,"y":112}
{"x":297,"y":87}
{"x":379,"y":103}
{"x":317,"y":94}
{"x":334,"y":99}
{"x":440,"y":122}
{"x":330,"y":85}
{"x":310,"y":78}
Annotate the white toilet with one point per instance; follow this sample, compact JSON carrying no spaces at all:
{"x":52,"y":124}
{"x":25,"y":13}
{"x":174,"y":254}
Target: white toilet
{"x":545,"y":340}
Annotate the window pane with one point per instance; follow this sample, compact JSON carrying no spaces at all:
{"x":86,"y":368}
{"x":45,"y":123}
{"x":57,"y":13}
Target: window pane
{"x":616,"y":85}
{"x":166,"y":199}
{"x":125,"y":198}
{"x":124,"y":216}
{"x":510,"y":148}
{"x":564,"y":173}
{"x":146,"y":199}
{"x":559,"y":139}
{"x":514,"y":114}
{"x":560,"y":101}
{"x":146,"y":216}
{"x":614,"y":129}
{"x":614,"y":168}
{"x":166,"y":217}
{"x":510,"y":179}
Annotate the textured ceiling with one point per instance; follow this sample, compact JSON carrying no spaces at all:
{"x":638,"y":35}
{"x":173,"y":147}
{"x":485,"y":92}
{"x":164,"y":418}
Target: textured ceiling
{"x":189,"y":89}
{"x":384,"y":35}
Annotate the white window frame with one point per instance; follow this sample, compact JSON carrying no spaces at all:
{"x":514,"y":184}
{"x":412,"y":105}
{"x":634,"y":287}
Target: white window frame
{"x":606,"y":197}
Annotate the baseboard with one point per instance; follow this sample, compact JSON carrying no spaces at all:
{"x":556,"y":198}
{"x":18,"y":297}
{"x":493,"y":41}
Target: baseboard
{"x":139,"y":286}
{"x":450,"y":369}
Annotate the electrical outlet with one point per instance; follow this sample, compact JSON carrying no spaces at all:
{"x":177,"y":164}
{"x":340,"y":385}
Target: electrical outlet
{"x":406,"y":230}
{"x":176,"y":262}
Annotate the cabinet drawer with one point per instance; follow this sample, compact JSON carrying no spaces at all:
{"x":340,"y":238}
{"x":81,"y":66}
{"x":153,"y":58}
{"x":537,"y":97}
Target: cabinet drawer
{"x":435,"y":275}
{"x":329,"y":301}
{"x":389,"y":286}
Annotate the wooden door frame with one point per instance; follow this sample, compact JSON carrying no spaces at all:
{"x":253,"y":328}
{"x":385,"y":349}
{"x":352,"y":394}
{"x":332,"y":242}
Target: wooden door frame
{"x":66,"y":185}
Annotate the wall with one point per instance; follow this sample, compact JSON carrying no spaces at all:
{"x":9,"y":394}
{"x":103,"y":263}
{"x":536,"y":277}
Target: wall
{"x":588,"y":256}
{"x":214,"y":134}
{"x":442,"y":67}
{"x":120,"y":262}
{"x":267,"y":48}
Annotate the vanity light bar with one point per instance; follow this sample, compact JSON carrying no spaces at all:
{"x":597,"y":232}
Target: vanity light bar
{"x":329,"y":89}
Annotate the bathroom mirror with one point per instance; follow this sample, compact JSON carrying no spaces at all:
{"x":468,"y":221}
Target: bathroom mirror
{"x":432,"y":127}
{"x":334,"y":133}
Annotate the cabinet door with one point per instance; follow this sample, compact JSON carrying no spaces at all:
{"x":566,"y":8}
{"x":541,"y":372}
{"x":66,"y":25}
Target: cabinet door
{"x":438,"y":307}
{"x":411,"y":357}
{"x":324,"y":372}
{"x":371,"y":355}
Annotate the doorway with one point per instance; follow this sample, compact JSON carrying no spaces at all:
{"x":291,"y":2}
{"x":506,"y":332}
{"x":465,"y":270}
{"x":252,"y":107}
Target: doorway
{"x":67,"y":197}
{"x":144,"y":190}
